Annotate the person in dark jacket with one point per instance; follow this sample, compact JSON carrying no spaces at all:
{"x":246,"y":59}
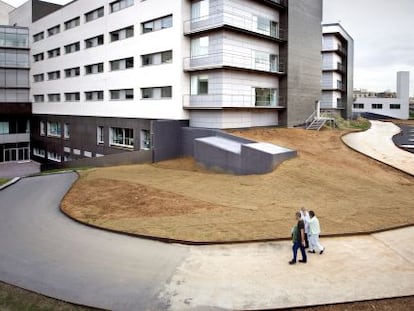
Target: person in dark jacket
{"x":298,"y":239}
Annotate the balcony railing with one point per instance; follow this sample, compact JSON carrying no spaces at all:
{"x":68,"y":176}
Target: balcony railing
{"x":225,"y":59}
{"x":14,"y":138}
{"x":334,"y":67}
{"x":228,"y":17}
{"x":220,"y":101}
{"x":338,"y":86}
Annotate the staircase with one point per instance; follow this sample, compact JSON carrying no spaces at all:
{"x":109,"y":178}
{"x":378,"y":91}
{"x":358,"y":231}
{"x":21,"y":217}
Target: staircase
{"x":317,"y":124}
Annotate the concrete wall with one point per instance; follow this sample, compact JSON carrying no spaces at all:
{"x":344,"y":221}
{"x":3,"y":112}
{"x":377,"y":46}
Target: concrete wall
{"x":4,"y":12}
{"x":304,"y":59}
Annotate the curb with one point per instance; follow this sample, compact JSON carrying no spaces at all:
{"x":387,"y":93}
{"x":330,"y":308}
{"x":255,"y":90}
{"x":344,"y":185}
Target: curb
{"x":10,"y":182}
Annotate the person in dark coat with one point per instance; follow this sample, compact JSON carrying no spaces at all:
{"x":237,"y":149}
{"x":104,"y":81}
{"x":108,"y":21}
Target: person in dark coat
{"x":298,"y":239}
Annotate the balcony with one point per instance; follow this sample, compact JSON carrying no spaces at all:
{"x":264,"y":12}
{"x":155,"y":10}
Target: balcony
{"x":339,"y":86}
{"x":219,"y":60}
{"x":232,"y":101}
{"x":281,"y":4}
{"x":338,"y":67}
{"x":227,"y":18}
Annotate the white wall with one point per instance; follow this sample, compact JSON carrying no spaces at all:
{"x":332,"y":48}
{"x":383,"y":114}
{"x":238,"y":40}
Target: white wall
{"x":136,"y":78}
{"x":22,"y":16}
{"x":4,"y":13}
{"x":401,"y":113}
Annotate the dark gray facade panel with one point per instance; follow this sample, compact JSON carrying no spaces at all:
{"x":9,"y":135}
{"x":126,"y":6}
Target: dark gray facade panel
{"x":43,"y":8}
{"x":167,"y":139}
{"x":304,"y":59}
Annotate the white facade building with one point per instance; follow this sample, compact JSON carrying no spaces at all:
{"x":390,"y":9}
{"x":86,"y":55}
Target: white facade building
{"x":397,"y":108}
{"x":103,"y":70}
{"x":337,"y":70}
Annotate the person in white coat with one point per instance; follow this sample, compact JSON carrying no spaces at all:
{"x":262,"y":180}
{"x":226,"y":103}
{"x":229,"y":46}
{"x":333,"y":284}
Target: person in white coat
{"x":314,"y":231}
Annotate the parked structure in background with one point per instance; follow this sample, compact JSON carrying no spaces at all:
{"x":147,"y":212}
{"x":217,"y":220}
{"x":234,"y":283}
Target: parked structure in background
{"x":365,"y":93}
{"x":103,"y":72}
{"x":15,"y":106}
{"x":337,"y":70}
{"x":387,"y":106}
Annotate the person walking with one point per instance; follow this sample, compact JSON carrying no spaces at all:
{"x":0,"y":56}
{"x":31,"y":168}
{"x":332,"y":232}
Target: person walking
{"x":305,"y":217}
{"x":298,"y":239}
{"x":314,"y":231}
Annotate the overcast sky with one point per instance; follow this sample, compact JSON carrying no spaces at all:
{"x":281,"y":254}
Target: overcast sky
{"x":383,"y":32}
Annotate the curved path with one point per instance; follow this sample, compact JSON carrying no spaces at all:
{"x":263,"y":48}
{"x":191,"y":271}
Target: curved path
{"x":43,"y":251}
{"x":377,"y":143}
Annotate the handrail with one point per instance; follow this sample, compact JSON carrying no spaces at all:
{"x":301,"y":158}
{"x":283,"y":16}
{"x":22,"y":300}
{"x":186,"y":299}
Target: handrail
{"x":222,"y":58}
{"x":230,"y":100}
{"x":310,"y":119}
{"x":226,"y":16}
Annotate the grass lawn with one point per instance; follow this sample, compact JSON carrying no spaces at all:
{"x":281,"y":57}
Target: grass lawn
{"x":3,"y":181}
{"x":177,"y":199}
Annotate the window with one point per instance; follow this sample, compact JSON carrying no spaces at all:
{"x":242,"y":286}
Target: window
{"x":53,"y":53}
{"x":72,"y":23}
{"x":199,"y":46}
{"x":121,"y":34}
{"x":39,"y":152}
{"x":72,"y":72}
{"x":199,"y":10}
{"x":53,"y":129}
{"x":53,"y":75}
{"x":100,"y":134}
{"x":156,"y":92}
{"x":39,"y":36}
{"x":94,"y":68}
{"x":124,"y":94}
{"x":265,"y":97}
{"x":42,"y":128}
{"x":53,"y":31}
{"x":39,"y":98}
{"x":72,"y":97}
{"x":358,"y":106}
{"x":157,"y":58}
{"x":38,"y":57}
{"x":70,"y":48}
{"x":39,"y":77}
{"x":54,"y":156}
{"x":122,"y":64}
{"x":157,"y":24}
{"x":145,"y":139}
{"x":94,"y":96}
{"x":395,"y":106}
{"x":4,"y":128}
{"x":120,"y":5}
{"x":66,"y":133}
{"x":123,"y":137}
{"x":199,"y":85}
{"x":376,"y":106}
{"x":95,"y":41}
{"x":95,"y":14}
{"x":53,"y":97}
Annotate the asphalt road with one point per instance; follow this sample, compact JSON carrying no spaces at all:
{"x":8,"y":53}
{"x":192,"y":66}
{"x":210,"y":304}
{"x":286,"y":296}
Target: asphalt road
{"x":44,"y":251}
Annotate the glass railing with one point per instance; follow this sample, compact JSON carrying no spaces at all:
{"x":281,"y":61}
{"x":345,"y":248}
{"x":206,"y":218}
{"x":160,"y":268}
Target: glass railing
{"x":227,"y":59}
{"x":212,"y":101}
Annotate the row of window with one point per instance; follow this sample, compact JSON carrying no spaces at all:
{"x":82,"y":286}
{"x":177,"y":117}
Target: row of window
{"x":114,"y":65}
{"x":376,"y":106}
{"x":164,"y":92}
{"x":88,"y":17}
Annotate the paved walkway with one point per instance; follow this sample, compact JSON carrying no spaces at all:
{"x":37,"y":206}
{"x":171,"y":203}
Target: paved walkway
{"x":43,"y":251}
{"x":377,"y":143}
{"x":18,"y":169}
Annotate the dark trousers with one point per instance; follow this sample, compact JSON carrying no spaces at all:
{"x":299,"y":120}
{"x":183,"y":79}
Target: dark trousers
{"x":295,"y":247}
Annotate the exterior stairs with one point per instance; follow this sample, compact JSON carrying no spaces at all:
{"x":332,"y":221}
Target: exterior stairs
{"x":317,"y":124}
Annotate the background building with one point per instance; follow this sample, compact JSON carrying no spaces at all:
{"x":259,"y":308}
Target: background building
{"x":15,"y":106}
{"x":387,"y":106}
{"x":337,"y":70}
{"x":103,"y":71}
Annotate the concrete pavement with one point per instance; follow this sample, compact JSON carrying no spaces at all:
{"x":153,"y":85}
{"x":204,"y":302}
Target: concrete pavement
{"x":377,"y":143}
{"x":43,"y":251}
{"x":18,"y":169}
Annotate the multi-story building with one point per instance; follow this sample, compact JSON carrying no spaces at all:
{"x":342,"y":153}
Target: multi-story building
{"x":391,"y":107}
{"x":337,"y":70}
{"x":15,"y":106}
{"x":102,"y":71}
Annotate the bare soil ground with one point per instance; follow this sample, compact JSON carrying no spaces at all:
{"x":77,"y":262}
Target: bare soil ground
{"x":177,"y":199}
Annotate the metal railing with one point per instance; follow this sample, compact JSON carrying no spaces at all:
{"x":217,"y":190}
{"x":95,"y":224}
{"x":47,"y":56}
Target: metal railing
{"x":225,"y":59}
{"x":227,"y":16}
{"x":211,"y":101}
